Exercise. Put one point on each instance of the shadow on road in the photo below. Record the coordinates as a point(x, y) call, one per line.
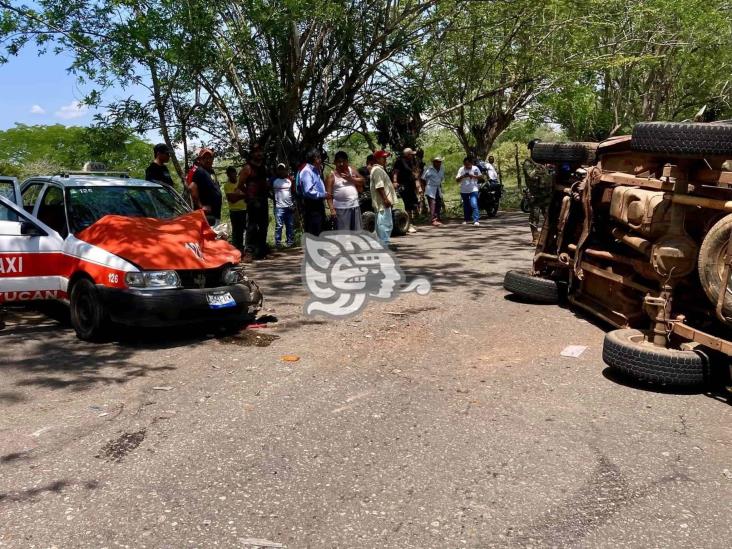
point(714, 389)
point(52, 357)
point(53, 487)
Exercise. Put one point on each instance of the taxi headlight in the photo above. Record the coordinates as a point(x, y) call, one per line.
point(233, 275)
point(153, 279)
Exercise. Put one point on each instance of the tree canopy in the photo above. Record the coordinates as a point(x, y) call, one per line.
point(33, 150)
point(294, 74)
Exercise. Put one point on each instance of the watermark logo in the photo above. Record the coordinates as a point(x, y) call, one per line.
point(344, 270)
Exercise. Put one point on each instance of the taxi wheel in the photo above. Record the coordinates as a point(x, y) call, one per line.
point(88, 316)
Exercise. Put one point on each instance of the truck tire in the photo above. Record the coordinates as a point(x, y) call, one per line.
point(532, 288)
point(401, 223)
point(88, 315)
point(711, 263)
point(572, 153)
point(685, 138)
point(368, 221)
point(627, 352)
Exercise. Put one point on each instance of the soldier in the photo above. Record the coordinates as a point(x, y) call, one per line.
point(539, 182)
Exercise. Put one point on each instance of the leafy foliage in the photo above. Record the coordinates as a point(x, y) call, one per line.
point(647, 60)
point(493, 60)
point(400, 120)
point(33, 150)
point(295, 74)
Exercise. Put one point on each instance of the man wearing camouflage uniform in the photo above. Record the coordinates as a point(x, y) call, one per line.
point(539, 181)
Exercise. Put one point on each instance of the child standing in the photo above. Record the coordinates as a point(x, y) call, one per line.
point(284, 207)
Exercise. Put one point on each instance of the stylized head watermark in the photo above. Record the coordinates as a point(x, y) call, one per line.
point(343, 270)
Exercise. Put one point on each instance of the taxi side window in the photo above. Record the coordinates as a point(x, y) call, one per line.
point(6, 214)
point(7, 190)
point(30, 196)
point(52, 212)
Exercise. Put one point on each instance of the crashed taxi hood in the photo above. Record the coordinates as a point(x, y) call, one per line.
point(185, 242)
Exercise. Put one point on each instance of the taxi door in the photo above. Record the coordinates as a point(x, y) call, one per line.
point(31, 258)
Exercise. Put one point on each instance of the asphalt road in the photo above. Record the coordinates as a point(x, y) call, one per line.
point(447, 421)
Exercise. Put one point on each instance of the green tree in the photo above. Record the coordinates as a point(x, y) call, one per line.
point(647, 60)
point(400, 117)
point(289, 73)
point(491, 61)
point(36, 150)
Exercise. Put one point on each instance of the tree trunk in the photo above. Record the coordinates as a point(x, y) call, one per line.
point(486, 134)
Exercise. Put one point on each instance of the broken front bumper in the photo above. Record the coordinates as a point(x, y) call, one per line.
point(159, 308)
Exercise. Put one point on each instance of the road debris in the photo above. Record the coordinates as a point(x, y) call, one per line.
point(573, 351)
point(163, 388)
point(254, 543)
point(290, 358)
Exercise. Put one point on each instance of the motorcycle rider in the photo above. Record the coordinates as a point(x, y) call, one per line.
point(539, 182)
point(491, 172)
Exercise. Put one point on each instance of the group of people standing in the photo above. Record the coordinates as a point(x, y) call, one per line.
point(340, 190)
point(309, 190)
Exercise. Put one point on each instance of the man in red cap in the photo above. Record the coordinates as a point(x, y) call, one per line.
point(383, 195)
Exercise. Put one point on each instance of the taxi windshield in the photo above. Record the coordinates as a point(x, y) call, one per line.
point(87, 205)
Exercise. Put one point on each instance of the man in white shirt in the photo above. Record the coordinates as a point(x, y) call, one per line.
point(284, 207)
point(433, 176)
point(469, 177)
point(492, 172)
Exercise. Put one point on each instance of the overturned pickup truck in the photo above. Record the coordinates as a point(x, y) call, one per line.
point(638, 234)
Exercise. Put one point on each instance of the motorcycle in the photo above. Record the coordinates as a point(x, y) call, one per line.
point(489, 197)
point(489, 193)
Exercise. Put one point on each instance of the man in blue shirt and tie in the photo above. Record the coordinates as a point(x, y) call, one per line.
point(313, 193)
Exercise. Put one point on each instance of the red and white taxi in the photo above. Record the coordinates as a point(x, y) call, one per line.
point(117, 250)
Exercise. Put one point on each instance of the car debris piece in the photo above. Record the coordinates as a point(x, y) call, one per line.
point(163, 388)
point(254, 543)
point(573, 351)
